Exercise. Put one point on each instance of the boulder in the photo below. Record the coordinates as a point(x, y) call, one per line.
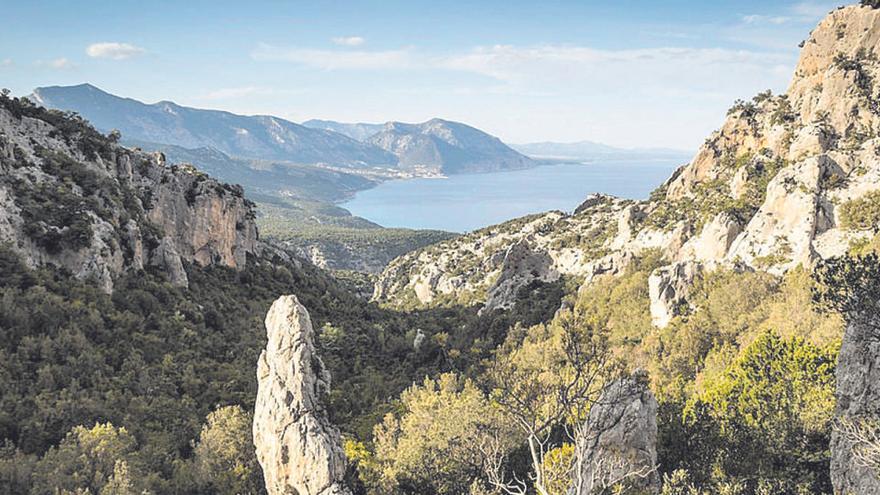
point(522, 264)
point(298, 448)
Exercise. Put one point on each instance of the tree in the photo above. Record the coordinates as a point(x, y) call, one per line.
point(546, 384)
point(434, 445)
point(225, 460)
point(98, 460)
point(775, 401)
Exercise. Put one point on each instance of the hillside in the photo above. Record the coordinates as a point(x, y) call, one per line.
point(787, 180)
point(133, 290)
point(720, 337)
point(261, 136)
point(441, 146)
point(359, 131)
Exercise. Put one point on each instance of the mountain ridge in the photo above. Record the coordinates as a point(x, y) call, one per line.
point(256, 136)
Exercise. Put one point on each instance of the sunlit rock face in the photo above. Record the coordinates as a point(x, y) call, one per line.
point(298, 448)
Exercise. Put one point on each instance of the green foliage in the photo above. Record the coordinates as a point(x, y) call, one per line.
point(849, 286)
point(224, 456)
point(100, 460)
point(775, 401)
point(862, 213)
point(434, 445)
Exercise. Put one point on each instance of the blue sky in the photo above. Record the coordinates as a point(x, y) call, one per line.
point(626, 73)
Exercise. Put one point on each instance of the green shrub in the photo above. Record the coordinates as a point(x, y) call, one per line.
point(862, 213)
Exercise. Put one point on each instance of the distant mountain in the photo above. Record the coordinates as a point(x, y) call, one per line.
point(447, 147)
point(588, 150)
point(260, 136)
point(267, 178)
point(358, 131)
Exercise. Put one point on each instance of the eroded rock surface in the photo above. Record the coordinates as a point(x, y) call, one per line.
point(858, 400)
point(620, 441)
point(668, 289)
point(298, 448)
point(764, 192)
point(116, 209)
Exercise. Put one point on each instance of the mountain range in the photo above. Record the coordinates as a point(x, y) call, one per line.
point(436, 146)
point(165, 122)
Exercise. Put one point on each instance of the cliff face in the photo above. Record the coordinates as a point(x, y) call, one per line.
point(764, 192)
point(298, 448)
point(74, 199)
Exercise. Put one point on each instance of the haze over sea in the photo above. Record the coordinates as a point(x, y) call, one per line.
point(462, 203)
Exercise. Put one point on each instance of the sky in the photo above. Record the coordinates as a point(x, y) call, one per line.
point(622, 72)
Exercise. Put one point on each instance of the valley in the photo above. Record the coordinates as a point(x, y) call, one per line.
point(200, 302)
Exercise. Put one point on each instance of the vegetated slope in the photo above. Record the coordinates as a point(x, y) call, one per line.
point(262, 136)
point(103, 347)
point(787, 180)
point(441, 146)
point(277, 179)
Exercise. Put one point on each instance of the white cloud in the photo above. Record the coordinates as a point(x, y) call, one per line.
point(61, 63)
point(246, 91)
point(759, 19)
point(348, 40)
point(6, 62)
point(336, 59)
point(814, 10)
point(802, 12)
point(113, 51)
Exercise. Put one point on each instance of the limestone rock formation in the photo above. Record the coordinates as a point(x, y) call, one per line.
point(521, 265)
point(668, 289)
point(116, 209)
point(298, 448)
point(858, 399)
point(619, 444)
point(764, 192)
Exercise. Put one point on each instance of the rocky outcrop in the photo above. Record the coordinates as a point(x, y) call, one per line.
point(521, 265)
point(299, 450)
point(619, 443)
point(668, 289)
point(492, 264)
point(858, 400)
point(764, 192)
point(113, 209)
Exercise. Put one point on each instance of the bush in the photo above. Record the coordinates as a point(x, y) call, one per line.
point(862, 213)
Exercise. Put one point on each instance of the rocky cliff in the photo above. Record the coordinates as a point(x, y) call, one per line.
point(74, 199)
point(299, 450)
point(767, 191)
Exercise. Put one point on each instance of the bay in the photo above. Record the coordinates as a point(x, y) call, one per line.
point(462, 203)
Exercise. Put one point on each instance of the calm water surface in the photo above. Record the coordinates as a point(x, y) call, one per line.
point(466, 202)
